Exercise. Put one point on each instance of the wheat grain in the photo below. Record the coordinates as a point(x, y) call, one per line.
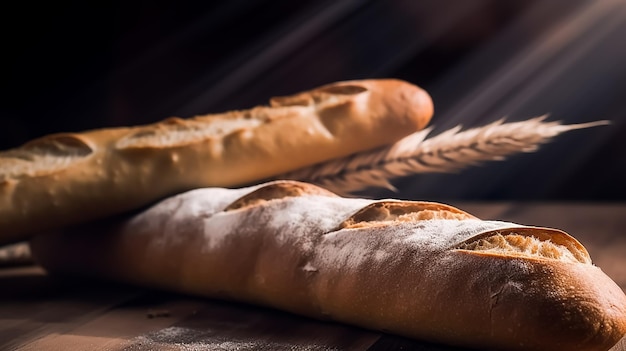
point(449, 151)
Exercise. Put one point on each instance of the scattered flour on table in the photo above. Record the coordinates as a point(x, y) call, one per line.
point(189, 339)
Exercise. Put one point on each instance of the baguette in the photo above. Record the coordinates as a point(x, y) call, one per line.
point(67, 178)
point(418, 269)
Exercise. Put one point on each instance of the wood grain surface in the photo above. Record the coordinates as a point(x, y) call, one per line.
point(39, 312)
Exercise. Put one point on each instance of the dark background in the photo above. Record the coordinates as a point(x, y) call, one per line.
point(83, 65)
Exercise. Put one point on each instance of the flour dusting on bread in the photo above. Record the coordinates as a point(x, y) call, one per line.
point(352, 246)
point(194, 204)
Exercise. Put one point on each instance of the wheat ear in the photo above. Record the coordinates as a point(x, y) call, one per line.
point(449, 151)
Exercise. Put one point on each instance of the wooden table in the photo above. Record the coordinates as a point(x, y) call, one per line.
point(38, 312)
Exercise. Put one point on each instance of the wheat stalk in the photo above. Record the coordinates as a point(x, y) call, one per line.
point(449, 151)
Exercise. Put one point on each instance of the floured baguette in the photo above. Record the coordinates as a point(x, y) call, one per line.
point(418, 269)
point(67, 178)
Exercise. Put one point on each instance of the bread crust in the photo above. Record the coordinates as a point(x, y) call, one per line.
point(67, 178)
point(409, 268)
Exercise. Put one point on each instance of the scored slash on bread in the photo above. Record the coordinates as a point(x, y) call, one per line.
point(419, 269)
point(528, 242)
point(63, 179)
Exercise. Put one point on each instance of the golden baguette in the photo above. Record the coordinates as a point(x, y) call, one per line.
point(63, 179)
point(419, 269)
